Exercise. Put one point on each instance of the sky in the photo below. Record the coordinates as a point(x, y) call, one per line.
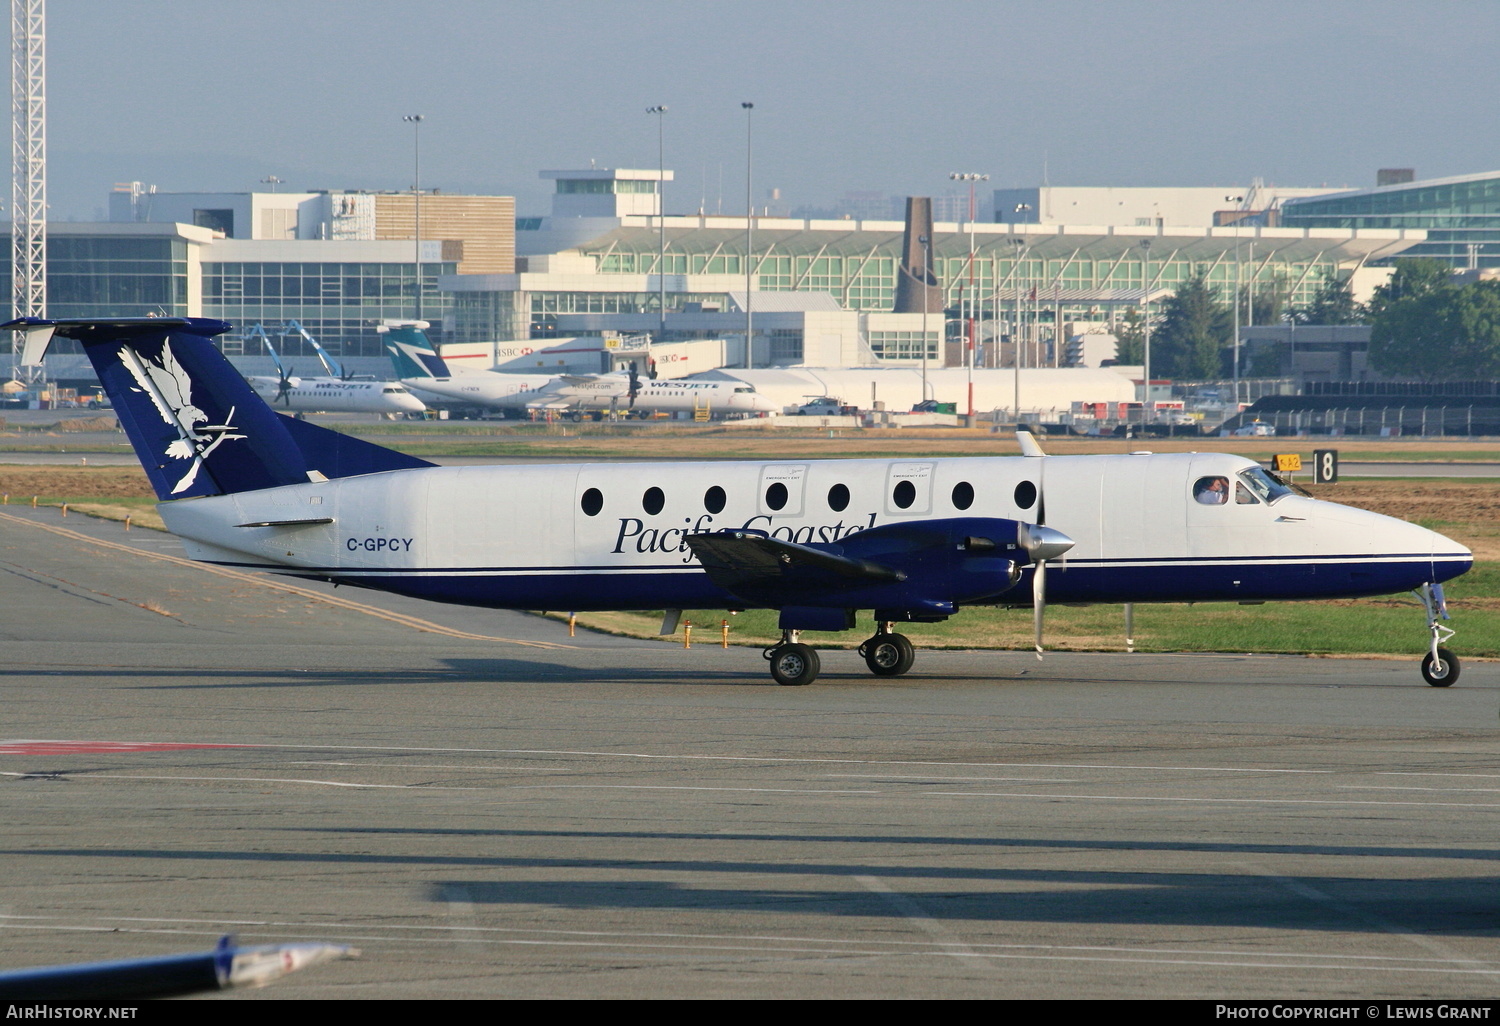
point(849, 95)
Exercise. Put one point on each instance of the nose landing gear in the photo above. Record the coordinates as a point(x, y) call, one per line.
point(1439, 665)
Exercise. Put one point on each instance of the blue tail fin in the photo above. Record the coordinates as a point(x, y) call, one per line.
point(411, 353)
point(196, 425)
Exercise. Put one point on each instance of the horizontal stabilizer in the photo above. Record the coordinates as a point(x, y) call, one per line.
point(309, 522)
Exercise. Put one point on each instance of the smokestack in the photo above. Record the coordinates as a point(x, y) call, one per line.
point(916, 286)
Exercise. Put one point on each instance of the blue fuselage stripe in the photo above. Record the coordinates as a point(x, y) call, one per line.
point(687, 586)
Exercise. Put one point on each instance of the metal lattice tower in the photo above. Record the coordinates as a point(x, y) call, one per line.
point(28, 135)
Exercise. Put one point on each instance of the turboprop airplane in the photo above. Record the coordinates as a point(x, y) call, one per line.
point(420, 368)
point(819, 541)
point(339, 394)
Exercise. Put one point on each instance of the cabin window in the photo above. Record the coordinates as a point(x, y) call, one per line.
point(653, 500)
point(904, 495)
point(1025, 495)
point(1212, 490)
point(592, 502)
point(838, 498)
point(714, 499)
point(963, 495)
point(776, 496)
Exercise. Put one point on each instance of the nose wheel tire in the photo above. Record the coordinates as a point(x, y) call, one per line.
point(1442, 671)
point(794, 665)
point(888, 655)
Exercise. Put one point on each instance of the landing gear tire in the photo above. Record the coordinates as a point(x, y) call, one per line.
point(794, 665)
point(888, 655)
point(1442, 671)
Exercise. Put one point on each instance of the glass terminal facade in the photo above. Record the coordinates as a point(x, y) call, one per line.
point(1082, 286)
point(1458, 213)
point(114, 276)
point(340, 304)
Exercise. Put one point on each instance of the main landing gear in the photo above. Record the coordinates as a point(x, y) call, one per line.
point(1439, 665)
point(888, 654)
point(794, 664)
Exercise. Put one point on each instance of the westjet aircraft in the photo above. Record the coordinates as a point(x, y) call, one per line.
point(819, 541)
point(421, 369)
point(338, 394)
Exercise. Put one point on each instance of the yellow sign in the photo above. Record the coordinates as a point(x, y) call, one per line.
point(1287, 462)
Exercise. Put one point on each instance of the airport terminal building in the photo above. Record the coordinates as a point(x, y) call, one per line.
point(817, 292)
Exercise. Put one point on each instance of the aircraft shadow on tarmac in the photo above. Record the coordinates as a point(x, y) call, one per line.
point(1451, 906)
point(464, 671)
point(1445, 907)
point(1020, 843)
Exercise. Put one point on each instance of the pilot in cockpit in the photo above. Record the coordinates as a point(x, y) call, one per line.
point(1212, 491)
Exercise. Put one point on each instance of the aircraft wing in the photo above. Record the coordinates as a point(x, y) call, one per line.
point(741, 560)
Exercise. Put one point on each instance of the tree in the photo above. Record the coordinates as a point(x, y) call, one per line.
point(1262, 302)
point(1333, 303)
point(1195, 327)
point(1130, 338)
point(1413, 278)
point(1438, 331)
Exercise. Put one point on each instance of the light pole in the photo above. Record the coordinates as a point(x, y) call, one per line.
point(1238, 276)
point(661, 220)
point(926, 303)
point(973, 297)
point(1015, 338)
point(1146, 307)
point(748, 108)
point(1020, 210)
point(416, 189)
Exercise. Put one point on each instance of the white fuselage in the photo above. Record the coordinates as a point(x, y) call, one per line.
point(594, 392)
point(334, 395)
point(592, 536)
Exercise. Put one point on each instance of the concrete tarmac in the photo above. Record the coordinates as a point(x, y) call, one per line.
point(488, 808)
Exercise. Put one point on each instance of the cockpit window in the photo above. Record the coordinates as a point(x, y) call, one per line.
point(748, 388)
point(1211, 491)
point(1243, 496)
point(1263, 485)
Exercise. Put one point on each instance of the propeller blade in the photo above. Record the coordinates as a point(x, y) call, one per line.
point(1039, 602)
point(1039, 541)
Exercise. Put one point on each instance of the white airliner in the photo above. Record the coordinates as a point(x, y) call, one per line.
point(819, 541)
point(337, 394)
point(421, 369)
point(330, 395)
